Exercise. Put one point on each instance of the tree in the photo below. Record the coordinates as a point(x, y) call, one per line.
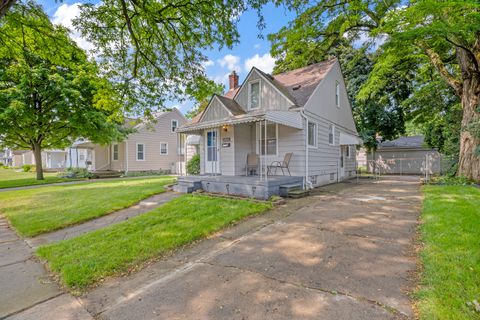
point(442, 35)
point(48, 99)
point(202, 97)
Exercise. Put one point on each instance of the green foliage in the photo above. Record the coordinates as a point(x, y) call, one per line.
point(148, 236)
point(451, 180)
point(147, 173)
point(193, 165)
point(203, 95)
point(50, 94)
point(26, 167)
point(75, 173)
point(154, 50)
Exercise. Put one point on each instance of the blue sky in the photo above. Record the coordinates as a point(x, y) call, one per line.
point(251, 51)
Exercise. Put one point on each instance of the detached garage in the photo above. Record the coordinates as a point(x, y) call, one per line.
point(405, 155)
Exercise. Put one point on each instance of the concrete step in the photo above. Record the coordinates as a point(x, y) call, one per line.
point(284, 189)
point(298, 193)
point(106, 174)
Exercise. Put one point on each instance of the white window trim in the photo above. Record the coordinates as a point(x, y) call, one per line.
point(171, 125)
point(258, 135)
point(328, 136)
point(337, 94)
point(259, 95)
point(163, 154)
point(113, 152)
point(136, 151)
point(315, 135)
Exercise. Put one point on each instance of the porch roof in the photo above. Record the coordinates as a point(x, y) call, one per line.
point(287, 118)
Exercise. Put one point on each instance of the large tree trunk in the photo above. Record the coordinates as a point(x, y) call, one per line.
point(37, 153)
point(469, 161)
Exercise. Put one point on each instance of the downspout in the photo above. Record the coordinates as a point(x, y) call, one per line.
point(306, 183)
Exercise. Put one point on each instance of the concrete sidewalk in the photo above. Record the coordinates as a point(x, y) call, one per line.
point(344, 253)
point(25, 283)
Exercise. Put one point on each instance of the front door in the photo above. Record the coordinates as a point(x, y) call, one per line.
point(212, 165)
point(342, 162)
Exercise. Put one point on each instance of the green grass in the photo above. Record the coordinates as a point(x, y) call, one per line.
point(10, 178)
point(40, 210)
point(451, 254)
point(84, 260)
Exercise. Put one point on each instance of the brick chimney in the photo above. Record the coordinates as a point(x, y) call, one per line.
point(233, 80)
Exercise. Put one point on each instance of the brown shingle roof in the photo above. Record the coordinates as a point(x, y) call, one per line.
point(231, 105)
point(231, 93)
point(305, 80)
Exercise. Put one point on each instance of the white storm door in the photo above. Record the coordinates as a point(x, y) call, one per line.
point(212, 165)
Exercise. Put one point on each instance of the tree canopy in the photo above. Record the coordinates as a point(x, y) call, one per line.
point(50, 96)
point(410, 39)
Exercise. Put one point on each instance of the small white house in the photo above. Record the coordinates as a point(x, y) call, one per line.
point(304, 113)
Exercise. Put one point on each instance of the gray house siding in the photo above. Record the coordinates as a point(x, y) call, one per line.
point(270, 98)
point(227, 154)
point(215, 111)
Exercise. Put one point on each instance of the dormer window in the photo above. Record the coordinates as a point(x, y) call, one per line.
point(254, 95)
point(337, 94)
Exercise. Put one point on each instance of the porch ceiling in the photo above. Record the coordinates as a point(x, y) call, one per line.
point(286, 118)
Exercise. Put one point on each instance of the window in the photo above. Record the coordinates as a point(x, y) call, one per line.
point(331, 134)
point(254, 95)
point(347, 152)
point(337, 94)
point(312, 134)
point(140, 152)
point(271, 139)
point(174, 125)
point(163, 148)
point(115, 152)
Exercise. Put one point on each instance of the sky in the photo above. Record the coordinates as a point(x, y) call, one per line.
point(250, 51)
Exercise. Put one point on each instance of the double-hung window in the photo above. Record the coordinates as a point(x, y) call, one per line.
point(140, 152)
point(312, 134)
point(163, 148)
point(270, 141)
point(254, 95)
point(174, 125)
point(331, 134)
point(347, 152)
point(115, 152)
point(337, 94)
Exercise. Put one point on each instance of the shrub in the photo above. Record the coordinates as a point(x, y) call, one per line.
point(193, 165)
point(451, 180)
point(147, 173)
point(26, 167)
point(75, 173)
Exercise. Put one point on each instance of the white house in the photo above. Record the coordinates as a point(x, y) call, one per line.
point(304, 112)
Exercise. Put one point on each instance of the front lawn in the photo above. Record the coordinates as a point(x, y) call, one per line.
point(118, 248)
point(450, 234)
point(10, 178)
point(40, 210)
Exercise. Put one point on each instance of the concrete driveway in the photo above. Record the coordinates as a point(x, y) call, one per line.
point(346, 252)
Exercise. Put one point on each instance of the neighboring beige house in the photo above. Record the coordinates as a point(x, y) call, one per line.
point(153, 146)
point(405, 155)
point(305, 112)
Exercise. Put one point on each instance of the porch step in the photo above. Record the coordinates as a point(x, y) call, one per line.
point(298, 193)
point(187, 186)
point(285, 189)
point(106, 174)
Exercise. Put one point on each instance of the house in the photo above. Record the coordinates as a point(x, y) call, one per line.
point(405, 155)
point(51, 159)
point(305, 112)
point(6, 157)
point(152, 146)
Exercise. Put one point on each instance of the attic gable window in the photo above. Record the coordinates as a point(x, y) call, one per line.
point(174, 125)
point(254, 95)
point(337, 94)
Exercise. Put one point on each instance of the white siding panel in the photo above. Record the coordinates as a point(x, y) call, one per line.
point(227, 154)
point(215, 111)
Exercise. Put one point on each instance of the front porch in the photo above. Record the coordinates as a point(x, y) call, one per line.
point(247, 186)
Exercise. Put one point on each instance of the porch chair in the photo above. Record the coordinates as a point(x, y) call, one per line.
point(252, 163)
point(281, 164)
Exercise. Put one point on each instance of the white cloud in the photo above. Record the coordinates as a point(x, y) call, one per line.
point(264, 63)
point(208, 63)
point(231, 62)
point(64, 16)
point(257, 46)
point(222, 79)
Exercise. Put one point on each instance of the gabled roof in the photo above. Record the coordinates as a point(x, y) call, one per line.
point(231, 105)
point(300, 83)
point(231, 93)
point(403, 142)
